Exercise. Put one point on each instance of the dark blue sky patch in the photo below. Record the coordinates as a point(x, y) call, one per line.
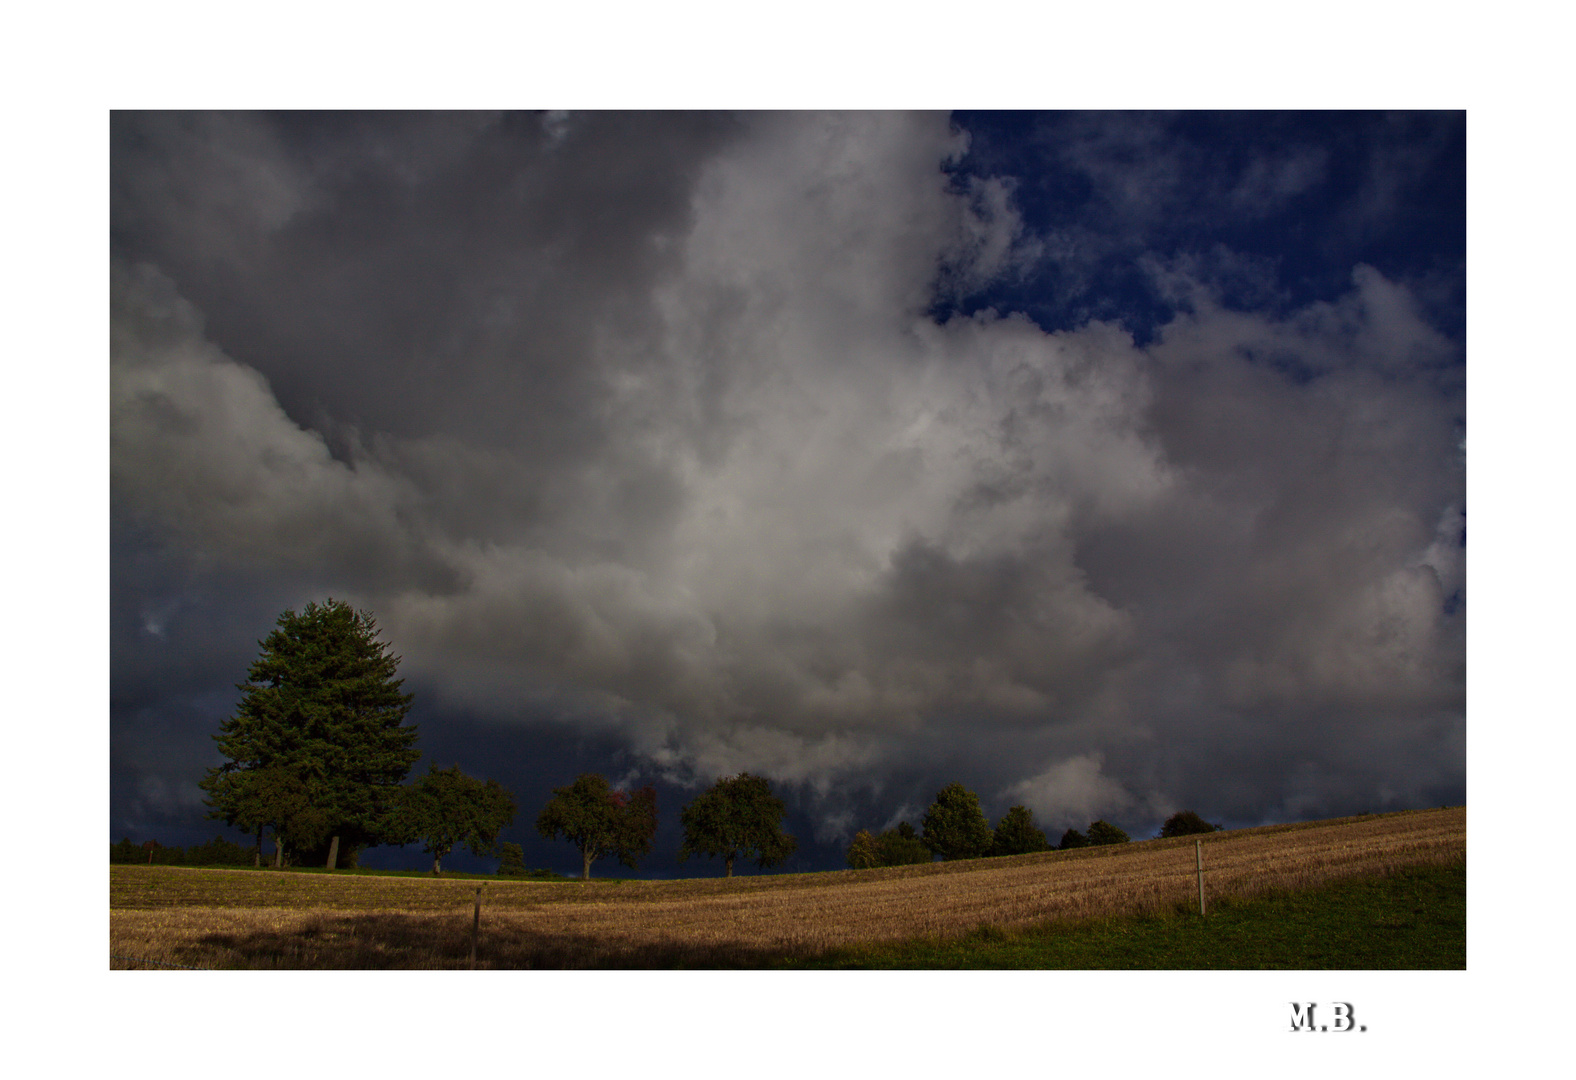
point(1270, 210)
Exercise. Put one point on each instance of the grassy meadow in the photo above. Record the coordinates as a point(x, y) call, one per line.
point(1377, 891)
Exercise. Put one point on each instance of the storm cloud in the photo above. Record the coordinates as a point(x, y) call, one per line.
point(719, 440)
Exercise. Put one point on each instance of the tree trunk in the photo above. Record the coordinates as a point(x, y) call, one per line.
point(257, 856)
point(585, 869)
point(435, 868)
point(279, 852)
point(333, 852)
point(728, 862)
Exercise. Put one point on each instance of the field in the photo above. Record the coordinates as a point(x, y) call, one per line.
point(1413, 918)
point(263, 919)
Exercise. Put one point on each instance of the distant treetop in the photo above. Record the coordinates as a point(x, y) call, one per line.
point(1186, 823)
point(955, 827)
point(1103, 832)
point(1017, 834)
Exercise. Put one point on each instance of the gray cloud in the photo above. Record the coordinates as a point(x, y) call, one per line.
point(640, 422)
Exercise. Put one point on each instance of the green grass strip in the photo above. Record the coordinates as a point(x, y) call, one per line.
point(1412, 919)
point(358, 871)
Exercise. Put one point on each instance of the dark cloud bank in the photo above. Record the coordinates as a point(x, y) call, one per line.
point(1109, 464)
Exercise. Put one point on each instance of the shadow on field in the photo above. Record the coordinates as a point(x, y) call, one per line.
point(402, 941)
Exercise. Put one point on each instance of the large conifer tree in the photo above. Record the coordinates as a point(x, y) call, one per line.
point(322, 705)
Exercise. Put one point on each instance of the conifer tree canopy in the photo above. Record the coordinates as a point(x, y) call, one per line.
point(318, 732)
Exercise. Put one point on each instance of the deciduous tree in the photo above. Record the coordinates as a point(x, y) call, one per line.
point(272, 797)
point(737, 816)
point(511, 860)
point(322, 704)
point(600, 821)
point(901, 846)
point(898, 846)
point(863, 852)
point(955, 827)
point(1103, 832)
point(447, 808)
point(1017, 834)
point(1072, 838)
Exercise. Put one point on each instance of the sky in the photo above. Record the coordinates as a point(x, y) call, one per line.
point(1109, 463)
point(72, 624)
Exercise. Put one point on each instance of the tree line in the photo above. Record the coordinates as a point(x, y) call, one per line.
point(738, 817)
point(216, 852)
point(317, 753)
point(956, 828)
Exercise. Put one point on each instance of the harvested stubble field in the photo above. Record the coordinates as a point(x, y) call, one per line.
point(262, 919)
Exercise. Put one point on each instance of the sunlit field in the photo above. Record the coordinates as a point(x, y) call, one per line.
point(264, 919)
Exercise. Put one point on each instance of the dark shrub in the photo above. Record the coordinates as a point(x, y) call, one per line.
point(1072, 838)
point(511, 860)
point(1186, 823)
point(899, 846)
point(902, 847)
point(1103, 832)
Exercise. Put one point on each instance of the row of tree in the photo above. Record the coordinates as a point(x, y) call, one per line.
point(317, 753)
point(444, 809)
point(956, 828)
point(216, 852)
point(738, 817)
point(953, 828)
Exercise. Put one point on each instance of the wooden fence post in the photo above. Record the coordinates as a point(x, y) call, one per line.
point(1198, 850)
point(476, 926)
